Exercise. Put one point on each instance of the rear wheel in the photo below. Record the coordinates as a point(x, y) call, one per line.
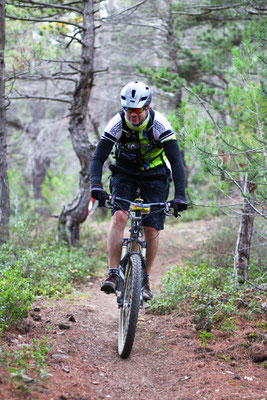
point(129, 310)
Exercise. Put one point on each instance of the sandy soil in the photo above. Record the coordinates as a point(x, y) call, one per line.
point(167, 360)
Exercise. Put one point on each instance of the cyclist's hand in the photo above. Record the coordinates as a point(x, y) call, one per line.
point(98, 193)
point(178, 204)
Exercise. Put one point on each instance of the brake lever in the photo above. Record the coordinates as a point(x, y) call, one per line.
point(109, 202)
point(167, 210)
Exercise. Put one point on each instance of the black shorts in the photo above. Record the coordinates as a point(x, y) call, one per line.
point(153, 189)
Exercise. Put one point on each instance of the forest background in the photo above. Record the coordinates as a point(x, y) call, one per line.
point(65, 64)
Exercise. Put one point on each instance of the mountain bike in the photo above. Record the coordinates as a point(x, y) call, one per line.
point(132, 270)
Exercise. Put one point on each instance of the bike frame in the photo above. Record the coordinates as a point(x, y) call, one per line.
point(133, 244)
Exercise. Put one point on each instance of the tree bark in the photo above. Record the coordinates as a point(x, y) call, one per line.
point(40, 160)
point(242, 251)
point(4, 187)
point(74, 213)
point(39, 170)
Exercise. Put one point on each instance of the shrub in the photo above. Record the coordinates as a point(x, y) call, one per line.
point(33, 263)
point(15, 296)
point(211, 294)
point(50, 268)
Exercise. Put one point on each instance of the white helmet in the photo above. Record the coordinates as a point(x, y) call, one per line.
point(135, 95)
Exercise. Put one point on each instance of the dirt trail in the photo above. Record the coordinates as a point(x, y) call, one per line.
point(167, 361)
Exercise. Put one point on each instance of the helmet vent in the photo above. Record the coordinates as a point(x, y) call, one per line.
point(135, 95)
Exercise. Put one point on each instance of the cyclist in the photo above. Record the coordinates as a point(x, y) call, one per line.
point(144, 141)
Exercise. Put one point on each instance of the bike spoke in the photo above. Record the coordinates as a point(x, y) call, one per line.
point(130, 308)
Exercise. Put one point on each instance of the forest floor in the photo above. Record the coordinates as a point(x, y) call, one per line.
point(167, 360)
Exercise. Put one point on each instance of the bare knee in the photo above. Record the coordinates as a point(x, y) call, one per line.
point(119, 219)
point(150, 233)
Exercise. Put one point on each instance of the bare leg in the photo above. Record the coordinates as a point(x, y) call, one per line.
point(152, 238)
point(115, 236)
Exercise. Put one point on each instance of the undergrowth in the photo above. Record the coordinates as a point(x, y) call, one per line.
point(211, 295)
point(206, 286)
point(33, 264)
point(27, 365)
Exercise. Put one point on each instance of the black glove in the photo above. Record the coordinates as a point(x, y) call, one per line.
point(98, 193)
point(178, 204)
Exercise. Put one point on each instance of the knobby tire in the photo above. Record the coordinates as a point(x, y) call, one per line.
point(128, 314)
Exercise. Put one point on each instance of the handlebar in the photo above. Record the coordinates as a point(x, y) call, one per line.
point(139, 205)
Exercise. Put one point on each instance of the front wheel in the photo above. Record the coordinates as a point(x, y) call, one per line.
point(128, 314)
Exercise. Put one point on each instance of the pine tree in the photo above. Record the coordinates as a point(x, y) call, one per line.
point(4, 187)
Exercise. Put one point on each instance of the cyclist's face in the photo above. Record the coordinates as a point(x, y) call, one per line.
point(136, 118)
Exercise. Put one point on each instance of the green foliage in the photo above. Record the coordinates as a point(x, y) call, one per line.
point(262, 325)
point(22, 200)
point(224, 357)
point(212, 295)
point(199, 58)
point(57, 188)
point(233, 152)
point(30, 360)
point(181, 283)
point(15, 294)
point(220, 121)
point(229, 325)
point(218, 250)
point(195, 214)
point(26, 47)
point(49, 266)
point(168, 81)
point(205, 337)
point(32, 264)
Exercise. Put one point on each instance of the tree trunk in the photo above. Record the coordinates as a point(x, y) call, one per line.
point(40, 160)
point(242, 251)
point(39, 170)
point(4, 187)
point(74, 213)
